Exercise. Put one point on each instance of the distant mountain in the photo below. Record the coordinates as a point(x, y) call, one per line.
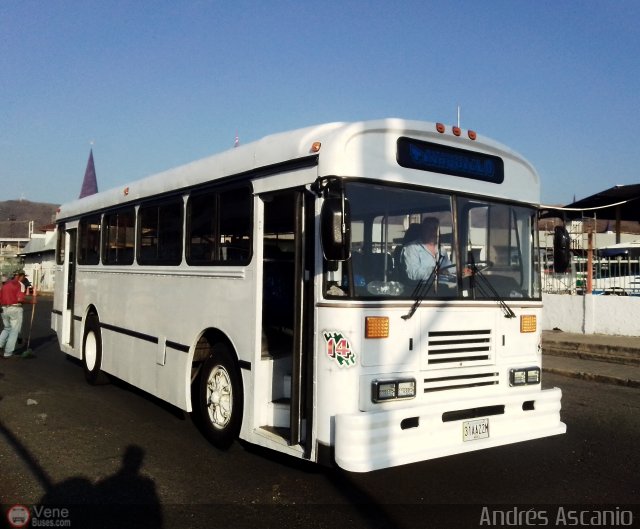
point(15, 216)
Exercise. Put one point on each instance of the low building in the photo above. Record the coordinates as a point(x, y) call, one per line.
point(39, 259)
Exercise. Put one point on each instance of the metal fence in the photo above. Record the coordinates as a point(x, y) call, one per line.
point(618, 275)
point(611, 274)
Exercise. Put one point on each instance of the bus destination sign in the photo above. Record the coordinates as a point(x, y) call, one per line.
point(426, 156)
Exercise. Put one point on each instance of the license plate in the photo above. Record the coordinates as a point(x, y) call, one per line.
point(477, 429)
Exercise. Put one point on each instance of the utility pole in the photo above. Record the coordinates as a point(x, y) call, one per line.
point(590, 260)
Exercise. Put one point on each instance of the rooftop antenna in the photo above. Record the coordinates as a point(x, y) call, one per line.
point(458, 116)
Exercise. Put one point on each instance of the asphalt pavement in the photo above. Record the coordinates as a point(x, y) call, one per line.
point(599, 357)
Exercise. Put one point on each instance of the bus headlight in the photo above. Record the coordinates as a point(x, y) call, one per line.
point(383, 390)
point(524, 376)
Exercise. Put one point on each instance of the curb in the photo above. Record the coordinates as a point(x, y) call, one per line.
point(605, 379)
point(612, 351)
point(610, 358)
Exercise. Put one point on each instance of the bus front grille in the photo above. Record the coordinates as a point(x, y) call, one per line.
point(458, 348)
point(460, 381)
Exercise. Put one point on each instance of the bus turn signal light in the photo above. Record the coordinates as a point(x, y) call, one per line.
point(528, 323)
point(376, 327)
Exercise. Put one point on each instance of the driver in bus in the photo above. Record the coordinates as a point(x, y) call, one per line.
point(419, 257)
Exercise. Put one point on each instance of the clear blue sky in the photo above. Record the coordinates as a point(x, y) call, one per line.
point(156, 84)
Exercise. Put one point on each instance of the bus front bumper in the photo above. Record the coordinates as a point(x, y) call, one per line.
point(373, 440)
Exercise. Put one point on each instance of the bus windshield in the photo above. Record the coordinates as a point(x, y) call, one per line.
point(461, 248)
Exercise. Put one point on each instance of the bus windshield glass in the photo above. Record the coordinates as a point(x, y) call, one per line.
point(405, 240)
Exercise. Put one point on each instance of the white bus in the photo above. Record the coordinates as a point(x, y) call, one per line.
point(264, 289)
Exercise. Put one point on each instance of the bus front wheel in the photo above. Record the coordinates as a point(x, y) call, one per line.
point(220, 397)
point(92, 349)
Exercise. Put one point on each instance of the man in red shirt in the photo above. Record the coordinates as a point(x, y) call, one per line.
point(11, 299)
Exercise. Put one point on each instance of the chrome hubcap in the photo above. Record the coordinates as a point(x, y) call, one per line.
point(90, 351)
point(219, 397)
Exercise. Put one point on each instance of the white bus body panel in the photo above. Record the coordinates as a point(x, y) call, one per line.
point(369, 150)
point(368, 436)
point(137, 322)
point(375, 440)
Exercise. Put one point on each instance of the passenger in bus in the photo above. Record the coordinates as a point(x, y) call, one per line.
point(419, 257)
point(411, 234)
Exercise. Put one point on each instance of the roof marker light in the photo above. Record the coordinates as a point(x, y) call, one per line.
point(472, 134)
point(126, 191)
point(440, 128)
point(315, 146)
point(456, 131)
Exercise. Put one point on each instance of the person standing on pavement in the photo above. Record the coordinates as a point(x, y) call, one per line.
point(25, 286)
point(12, 297)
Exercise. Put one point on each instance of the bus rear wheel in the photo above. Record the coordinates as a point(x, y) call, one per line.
point(92, 349)
point(220, 397)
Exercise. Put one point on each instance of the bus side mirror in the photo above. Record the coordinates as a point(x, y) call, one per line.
point(561, 249)
point(335, 220)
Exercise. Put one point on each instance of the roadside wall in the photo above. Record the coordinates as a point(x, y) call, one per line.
point(41, 275)
point(591, 314)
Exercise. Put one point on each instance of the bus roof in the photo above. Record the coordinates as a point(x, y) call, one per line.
point(341, 154)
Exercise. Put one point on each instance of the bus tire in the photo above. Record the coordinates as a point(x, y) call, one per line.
point(220, 397)
point(92, 349)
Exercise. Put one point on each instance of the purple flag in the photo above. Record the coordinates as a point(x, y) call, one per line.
point(90, 183)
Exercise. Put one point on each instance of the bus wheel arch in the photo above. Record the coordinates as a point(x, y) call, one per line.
point(218, 392)
point(92, 347)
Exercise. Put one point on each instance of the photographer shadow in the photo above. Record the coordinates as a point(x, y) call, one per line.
point(127, 499)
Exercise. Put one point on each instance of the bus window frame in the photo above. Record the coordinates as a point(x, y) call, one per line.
point(158, 205)
point(61, 246)
point(217, 245)
point(83, 224)
point(106, 239)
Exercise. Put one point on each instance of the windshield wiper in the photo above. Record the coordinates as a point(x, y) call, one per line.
point(422, 288)
point(508, 313)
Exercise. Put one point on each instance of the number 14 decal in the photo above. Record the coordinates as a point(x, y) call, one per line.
point(339, 348)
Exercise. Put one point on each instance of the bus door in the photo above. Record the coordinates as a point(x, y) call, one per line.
point(69, 275)
point(286, 311)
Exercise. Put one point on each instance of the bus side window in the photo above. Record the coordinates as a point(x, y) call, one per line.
point(235, 225)
point(236, 249)
point(201, 209)
point(118, 237)
point(160, 233)
point(219, 227)
point(89, 245)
